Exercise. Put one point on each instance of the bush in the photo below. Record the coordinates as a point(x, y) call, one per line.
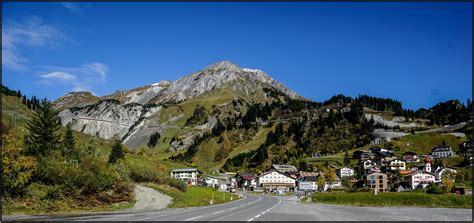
point(180, 185)
point(434, 189)
point(97, 176)
point(54, 192)
point(141, 173)
point(17, 168)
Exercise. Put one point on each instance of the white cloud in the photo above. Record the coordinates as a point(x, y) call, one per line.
point(73, 6)
point(31, 32)
point(99, 68)
point(83, 78)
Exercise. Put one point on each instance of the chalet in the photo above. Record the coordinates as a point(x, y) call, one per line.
point(467, 148)
point(305, 174)
point(397, 165)
point(333, 184)
point(368, 164)
point(312, 179)
point(246, 180)
point(410, 157)
point(361, 155)
point(377, 181)
point(345, 172)
point(421, 179)
point(188, 175)
point(380, 150)
point(274, 179)
point(440, 171)
point(441, 152)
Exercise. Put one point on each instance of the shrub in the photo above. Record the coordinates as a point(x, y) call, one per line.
point(97, 176)
point(434, 189)
point(180, 185)
point(54, 192)
point(17, 168)
point(141, 173)
point(37, 191)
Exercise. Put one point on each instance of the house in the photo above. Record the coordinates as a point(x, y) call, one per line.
point(274, 179)
point(345, 172)
point(440, 171)
point(211, 181)
point(188, 175)
point(368, 164)
point(441, 152)
point(421, 179)
point(374, 168)
point(467, 148)
point(305, 174)
point(334, 184)
point(246, 180)
point(377, 181)
point(410, 157)
point(361, 155)
point(284, 168)
point(312, 179)
point(380, 150)
point(397, 165)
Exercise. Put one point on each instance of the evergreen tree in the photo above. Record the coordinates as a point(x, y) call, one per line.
point(153, 139)
point(347, 159)
point(117, 152)
point(69, 145)
point(43, 130)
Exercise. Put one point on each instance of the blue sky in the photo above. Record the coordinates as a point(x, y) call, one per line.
point(417, 53)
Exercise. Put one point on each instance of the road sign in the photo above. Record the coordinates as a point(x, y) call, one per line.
point(304, 186)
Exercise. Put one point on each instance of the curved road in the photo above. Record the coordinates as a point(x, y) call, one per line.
point(271, 208)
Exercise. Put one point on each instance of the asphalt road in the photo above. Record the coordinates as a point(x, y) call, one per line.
point(271, 208)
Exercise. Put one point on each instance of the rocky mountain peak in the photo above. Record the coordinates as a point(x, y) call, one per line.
point(224, 65)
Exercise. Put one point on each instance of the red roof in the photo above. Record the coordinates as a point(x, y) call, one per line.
point(248, 177)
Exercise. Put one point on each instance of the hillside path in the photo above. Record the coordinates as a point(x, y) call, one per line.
point(150, 199)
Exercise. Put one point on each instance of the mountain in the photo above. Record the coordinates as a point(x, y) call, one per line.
point(134, 115)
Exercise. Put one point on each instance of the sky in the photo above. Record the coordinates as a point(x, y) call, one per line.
point(417, 53)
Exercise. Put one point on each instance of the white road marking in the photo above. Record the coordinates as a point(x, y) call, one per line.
point(217, 212)
point(279, 201)
point(193, 218)
point(189, 210)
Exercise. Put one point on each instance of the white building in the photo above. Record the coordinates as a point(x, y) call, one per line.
point(421, 179)
point(397, 165)
point(275, 180)
point(312, 180)
point(368, 164)
point(345, 172)
point(441, 152)
point(334, 184)
point(440, 171)
point(188, 175)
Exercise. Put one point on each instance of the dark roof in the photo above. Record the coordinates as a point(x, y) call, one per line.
point(409, 153)
point(309, 178)
point(441, 149)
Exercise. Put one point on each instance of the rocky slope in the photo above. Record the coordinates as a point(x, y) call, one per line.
point(135, 114)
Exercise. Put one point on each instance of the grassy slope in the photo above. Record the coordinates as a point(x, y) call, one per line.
point(66, 205)
point(395, 199)
point(194, 196)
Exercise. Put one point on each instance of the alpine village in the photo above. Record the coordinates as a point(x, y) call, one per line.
point(222, 130)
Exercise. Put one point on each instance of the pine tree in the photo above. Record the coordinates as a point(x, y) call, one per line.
point(347, 159)
point(43, 130)
point(153, 139)
point(69, 145)
point(117, 152)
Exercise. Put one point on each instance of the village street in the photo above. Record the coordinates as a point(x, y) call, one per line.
point(269, 208)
